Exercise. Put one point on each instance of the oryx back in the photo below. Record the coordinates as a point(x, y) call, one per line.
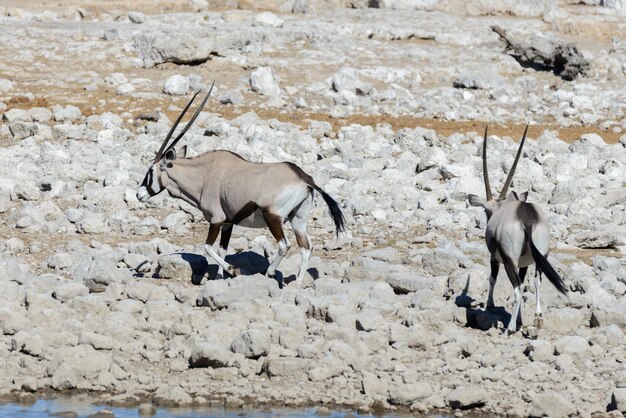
point(239, 191)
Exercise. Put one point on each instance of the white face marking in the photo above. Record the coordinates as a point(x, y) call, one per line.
point(149, 187)
point(142, 194)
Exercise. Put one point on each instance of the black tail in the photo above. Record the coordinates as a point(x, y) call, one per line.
point(544, 266)
point(333, 207)
point(335, 211)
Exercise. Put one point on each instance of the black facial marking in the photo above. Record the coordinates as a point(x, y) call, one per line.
point(147, 182)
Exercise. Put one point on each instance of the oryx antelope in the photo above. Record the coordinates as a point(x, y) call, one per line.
point(517, 236)
point(232, 191)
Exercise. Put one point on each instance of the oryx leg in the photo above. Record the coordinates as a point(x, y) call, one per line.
point(298, 222)
point(275, 225)
point(538, 315)
point(522, 275)
point(227, 231)
point(511, 271)
point(214, 230)
point(495, 267)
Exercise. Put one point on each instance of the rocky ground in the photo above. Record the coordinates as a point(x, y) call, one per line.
point(385, 107)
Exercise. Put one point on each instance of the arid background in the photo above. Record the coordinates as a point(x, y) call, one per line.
point(384, 103)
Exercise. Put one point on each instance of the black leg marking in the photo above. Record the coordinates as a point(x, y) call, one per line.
point(275, 225)
point(495, 268)
point(522, 273)
point(227, 231)
point(214, 231)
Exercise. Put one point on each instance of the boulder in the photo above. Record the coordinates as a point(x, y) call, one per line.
point(552, 404)
point(209, 355)
point(252, 343)
point(466, 398)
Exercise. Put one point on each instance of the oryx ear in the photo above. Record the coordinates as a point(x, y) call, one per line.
point(522, 197)
point(183, 152)
point(476, 201)
point(170, 155)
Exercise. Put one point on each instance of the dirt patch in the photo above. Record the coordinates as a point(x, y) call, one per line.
point(93, 104)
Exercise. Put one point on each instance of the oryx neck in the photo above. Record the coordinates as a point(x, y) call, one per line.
point(184, 179)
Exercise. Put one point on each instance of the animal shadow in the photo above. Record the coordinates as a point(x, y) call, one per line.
point(478, 318)
point(283, 281)
point(248, 262)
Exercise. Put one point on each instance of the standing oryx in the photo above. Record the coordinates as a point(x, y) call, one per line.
point(517, 236)
point(232, 191)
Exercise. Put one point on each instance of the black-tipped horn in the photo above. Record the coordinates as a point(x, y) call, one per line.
point(171, 132)
point(510, 176)
point(192, 120)
point(485, 174)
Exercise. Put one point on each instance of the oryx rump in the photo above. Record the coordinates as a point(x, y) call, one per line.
point(230, 190)
point(517, 236)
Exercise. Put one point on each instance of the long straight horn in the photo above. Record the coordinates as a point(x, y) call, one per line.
point(510, 176)
point(193, 118)
point(171, 132)
point(485, 174)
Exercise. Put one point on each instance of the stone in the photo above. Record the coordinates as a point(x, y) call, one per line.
point(21, 130)
point(264, 82)
point(374, 386)
point(287, 367)
point(98, 274)
point(575, 346)
point(176, 85)
point(182, 47)
point(97, 341)
point(477, 81)
point(603, 315)
point(369, 320)
point(552, 404)
point(466, 398)
point(172, 396)
point(408, 282)
point(181, 265)
point(68, 113)
point(541, 350)
point(407, 393)
point(346, 80)
point(233, 97)
point(252, 343)
point(64, 378)
point(69, 291)
point(15, 115)
point(268, 19)
point(209, 355)
point(136, 17)
point(11, 269)
point(12, 320)
point(564, 320)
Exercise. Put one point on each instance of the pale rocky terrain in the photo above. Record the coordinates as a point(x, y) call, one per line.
point(385, 107)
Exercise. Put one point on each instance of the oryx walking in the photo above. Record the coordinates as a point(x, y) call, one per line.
point(517, 236)
point(232, 191)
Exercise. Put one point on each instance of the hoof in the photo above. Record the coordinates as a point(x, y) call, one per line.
point(233, 272)
point(538, 322)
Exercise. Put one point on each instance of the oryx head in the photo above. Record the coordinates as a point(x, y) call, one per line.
point(151, 185)
point(492, 204)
